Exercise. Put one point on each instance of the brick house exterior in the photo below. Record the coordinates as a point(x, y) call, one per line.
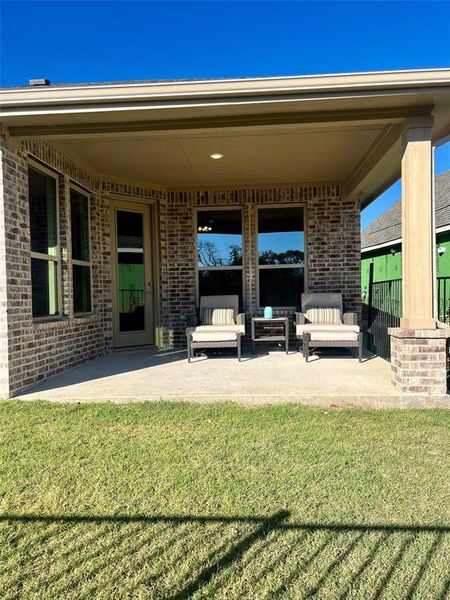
point(33, 351)
point(330, 144)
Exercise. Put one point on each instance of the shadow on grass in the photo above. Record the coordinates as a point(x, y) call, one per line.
point(182, 556)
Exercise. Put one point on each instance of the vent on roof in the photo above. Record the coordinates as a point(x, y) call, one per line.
point(36, 82)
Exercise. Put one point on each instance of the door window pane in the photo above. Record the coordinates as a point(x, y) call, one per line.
point(43, 216)
point(79, 217)
point(44, 287)
point(81, 289)
point(130, 229)
point(130, 271)
point(219, 238)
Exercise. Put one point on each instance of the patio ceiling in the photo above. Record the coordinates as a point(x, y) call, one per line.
point(250, 156)
point(271, 131)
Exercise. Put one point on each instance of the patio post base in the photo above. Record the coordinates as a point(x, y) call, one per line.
point(418, 360)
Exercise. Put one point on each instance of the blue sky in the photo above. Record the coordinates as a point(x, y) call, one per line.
point(103, 41)
point(378, 206)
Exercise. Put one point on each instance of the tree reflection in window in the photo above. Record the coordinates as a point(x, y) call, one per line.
point(219, 251)
point(280, 256)
point(209, 255)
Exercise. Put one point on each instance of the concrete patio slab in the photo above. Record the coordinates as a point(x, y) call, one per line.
point(267, 378)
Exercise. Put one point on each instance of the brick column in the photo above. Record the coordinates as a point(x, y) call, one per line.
point(418, 360)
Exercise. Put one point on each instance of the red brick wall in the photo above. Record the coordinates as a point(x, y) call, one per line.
point(38, 350)
point(332, 236)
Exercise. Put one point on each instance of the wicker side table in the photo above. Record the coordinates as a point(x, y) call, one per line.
point(256, 339)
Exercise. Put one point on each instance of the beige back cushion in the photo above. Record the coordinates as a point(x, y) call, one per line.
point(217, 316)
point(323, 300)
point(221, 302)
point(330, 315)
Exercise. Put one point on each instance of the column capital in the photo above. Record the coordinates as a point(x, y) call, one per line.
point(417, 129)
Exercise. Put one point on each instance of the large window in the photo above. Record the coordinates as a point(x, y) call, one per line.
point(81, 251)
point(44, 243)
point(219, 252)
point(280, 256)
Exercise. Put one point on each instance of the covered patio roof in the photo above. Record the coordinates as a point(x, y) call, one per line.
point(277, 130)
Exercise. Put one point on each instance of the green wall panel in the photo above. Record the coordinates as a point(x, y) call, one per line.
point(387, 265)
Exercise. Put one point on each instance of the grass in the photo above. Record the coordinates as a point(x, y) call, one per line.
point(219, 501)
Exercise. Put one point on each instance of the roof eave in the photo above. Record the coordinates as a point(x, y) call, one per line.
point(311, 87)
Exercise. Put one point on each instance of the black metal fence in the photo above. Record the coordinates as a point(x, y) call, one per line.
point(384, 311)
point(443, 299)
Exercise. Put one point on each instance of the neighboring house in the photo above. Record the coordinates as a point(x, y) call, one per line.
point(122, 203)
point(381, 240)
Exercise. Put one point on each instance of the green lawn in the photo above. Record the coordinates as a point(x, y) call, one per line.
point(220, 501)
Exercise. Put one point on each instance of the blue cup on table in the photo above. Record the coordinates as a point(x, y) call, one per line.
point(268, 312)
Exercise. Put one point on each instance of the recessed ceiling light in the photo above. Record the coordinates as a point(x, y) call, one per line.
point(216, 155)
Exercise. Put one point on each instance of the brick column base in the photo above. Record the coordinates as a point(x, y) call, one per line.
point(418, 360)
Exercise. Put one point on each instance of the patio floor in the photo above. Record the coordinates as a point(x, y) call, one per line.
point(270, 377)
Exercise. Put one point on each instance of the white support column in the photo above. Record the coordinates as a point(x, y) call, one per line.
point(418, 236)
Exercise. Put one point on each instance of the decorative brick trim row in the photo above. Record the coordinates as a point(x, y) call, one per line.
point(129, 189)
point(61, 163)
point(275, 195)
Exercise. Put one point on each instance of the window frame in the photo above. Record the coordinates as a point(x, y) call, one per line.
point(56, 258)
point(224, 268)
point(285, 266)
point(77, 262)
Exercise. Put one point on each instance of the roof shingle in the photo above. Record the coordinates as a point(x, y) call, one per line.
point(388, 226)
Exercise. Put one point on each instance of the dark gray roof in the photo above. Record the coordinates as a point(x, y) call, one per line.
point(148, 81)
point(388, 226)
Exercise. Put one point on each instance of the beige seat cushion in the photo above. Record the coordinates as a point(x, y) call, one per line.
point(236, 328)
point(216, 335)
point(333, 336)
point(300, 329)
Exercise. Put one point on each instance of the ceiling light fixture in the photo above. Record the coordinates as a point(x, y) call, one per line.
point(216, 155)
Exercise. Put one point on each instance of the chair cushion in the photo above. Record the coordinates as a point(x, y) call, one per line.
point(215, 335)
point(237, 328)
point(333, 336)
point(323, 314)
point(300, 329)
point(217, 316)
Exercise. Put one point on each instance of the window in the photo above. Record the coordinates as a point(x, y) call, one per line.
point(81, 251)
point(44, 244)
point(280, 256)
point(219, 252)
